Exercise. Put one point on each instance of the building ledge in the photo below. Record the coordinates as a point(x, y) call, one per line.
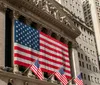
point(9, 75)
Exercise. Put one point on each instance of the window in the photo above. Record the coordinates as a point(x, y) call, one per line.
point(87, 66)
point(84, 48)
point(85, 76)
point(95, 79)
point(82, 56)
point(82, 64)
point(87, 50)
point(78, 54)
point(94, 68)
point(89, 77)
point(82, 75)
point(90, 67)
point(86, 58)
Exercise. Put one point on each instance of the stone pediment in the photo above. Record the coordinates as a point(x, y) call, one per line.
point(49, 11)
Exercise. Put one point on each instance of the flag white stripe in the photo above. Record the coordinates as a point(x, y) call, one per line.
point(52, 46)
point(41, 53)
point(42, 66)
point(52, 41)
point(37, 72)
point(35, 57)
point(53, 52)
point(27, 61)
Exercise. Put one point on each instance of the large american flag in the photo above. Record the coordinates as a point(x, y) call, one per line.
point(30, 44)
point(37, 70)
point(79, 80)
point(61, 76)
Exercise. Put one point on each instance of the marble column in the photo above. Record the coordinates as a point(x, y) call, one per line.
point(16, 67)
point(2, 34)
point(75, 62)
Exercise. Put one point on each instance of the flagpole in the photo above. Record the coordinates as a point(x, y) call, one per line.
point(50, 76)
point(26, 70)
point(70, 80)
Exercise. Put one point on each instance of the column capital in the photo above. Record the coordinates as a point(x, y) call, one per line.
point(2, 7)
point(16, 14)
point(75, 45)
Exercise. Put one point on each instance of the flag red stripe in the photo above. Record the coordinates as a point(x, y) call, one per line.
point(31, 59)
point(35, 54)
point(61, 78)
point(24, 57)
point(21, 63)
point(37, 71)
point(53, 39)
point(53, 49)
point(78, 81)
point(41, 39)
point(25, 51)
point(54, 55)
point(58, 62)
point(52, 72)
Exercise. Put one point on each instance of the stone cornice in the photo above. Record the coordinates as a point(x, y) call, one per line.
point(26, 6)
point(24, 78)
point(2, 6)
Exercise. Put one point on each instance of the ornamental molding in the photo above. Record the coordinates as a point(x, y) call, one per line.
point(48, 11)
point(2, 6)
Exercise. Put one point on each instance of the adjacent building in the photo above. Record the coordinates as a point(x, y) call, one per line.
point(46, 16)
point(92, 18)
point(87, 51)
point(63, 23)
point(74, 6)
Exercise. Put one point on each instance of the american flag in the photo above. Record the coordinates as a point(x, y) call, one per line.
point(37, 70)
point(61, 76)
point(79, 80)
point(30, 44)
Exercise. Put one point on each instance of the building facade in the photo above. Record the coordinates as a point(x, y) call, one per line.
point(46, 16)
point(92, 18)
point(74, 6)
point(87, 52)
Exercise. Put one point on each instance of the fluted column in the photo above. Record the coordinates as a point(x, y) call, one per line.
point(16, 67)
point(2, 34)
point(74, 61)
